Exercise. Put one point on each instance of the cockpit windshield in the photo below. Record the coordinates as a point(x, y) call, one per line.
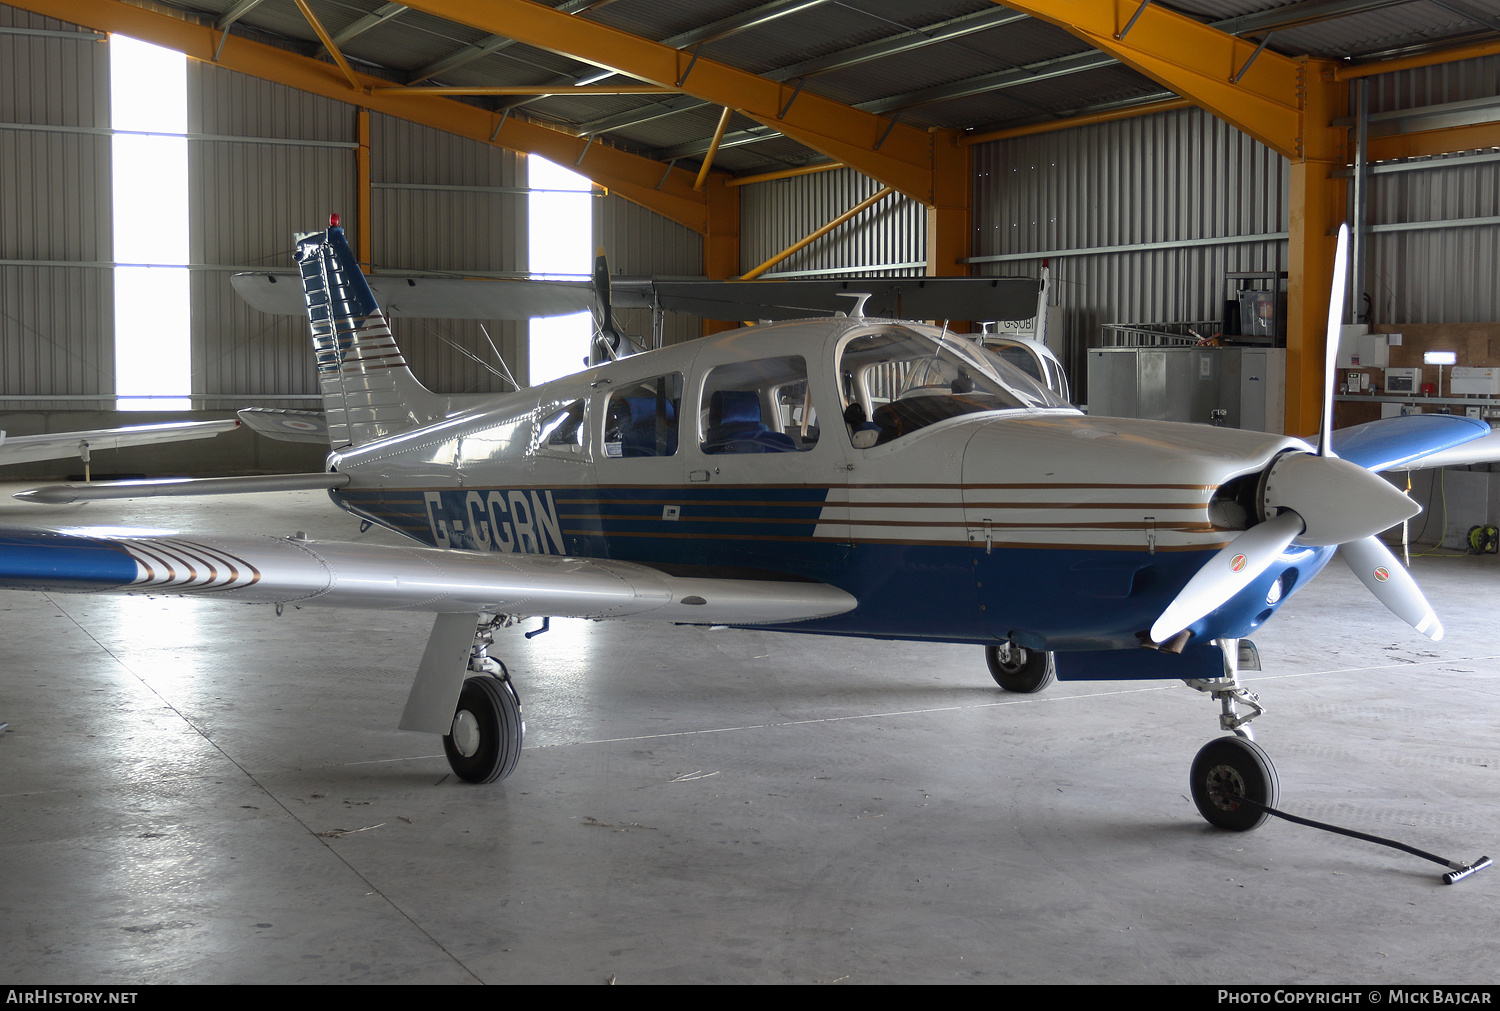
point(897, 379)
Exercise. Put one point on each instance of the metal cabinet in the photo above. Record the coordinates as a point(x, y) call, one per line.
point(1237, 387)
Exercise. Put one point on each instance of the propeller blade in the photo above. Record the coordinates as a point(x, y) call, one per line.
point(1378, 569)
point(1338, 500)
point(1231, 570)
point(604, 313)
point(1335, 325)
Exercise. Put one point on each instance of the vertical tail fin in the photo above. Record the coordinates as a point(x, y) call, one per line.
point(368, 391)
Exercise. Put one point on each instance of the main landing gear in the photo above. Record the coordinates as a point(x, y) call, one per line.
point(1229, 771)
point(485, 742)
point(1020, 670)
point(465, 697)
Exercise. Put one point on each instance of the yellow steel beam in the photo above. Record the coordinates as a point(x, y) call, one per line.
point(1449, 55)
point(1473, 137)
point(765, 177)
point(529, 89)
point(950, 219)
point(1087, 119)
point(1194, 60)
point(651, 184)
point(328, 43)
point(713, 149)
point(899, 155)
point(363, 200)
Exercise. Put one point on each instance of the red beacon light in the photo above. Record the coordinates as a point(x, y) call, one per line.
point(333, 221)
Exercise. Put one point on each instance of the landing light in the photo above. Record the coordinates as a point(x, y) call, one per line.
point(1274, 593)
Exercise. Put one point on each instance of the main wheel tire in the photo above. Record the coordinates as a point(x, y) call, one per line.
point(1020, 670)
point(484, 743)
point(1227, 769)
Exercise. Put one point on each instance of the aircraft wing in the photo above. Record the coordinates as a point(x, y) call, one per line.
point(302, 572)
point(280, 294)
point(1418, 442)
point(966, 298)
point(60, 445)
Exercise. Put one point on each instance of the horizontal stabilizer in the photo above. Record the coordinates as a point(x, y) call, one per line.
point(66, 494)
point(303, 572)
point(1414, 439)
point(960, 298)
point(287, 426)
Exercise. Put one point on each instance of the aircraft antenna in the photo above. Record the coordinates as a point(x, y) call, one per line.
point(499, 357)
point(860, 297)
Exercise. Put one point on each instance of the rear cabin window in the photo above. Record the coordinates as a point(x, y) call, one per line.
point(761, 406)
point(641, 419)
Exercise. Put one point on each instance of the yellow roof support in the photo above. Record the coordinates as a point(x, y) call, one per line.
point(527, 89)
point(328, 43)
point(1198, 62)
point(713, 149)
point(667, 191)
point(895, 154)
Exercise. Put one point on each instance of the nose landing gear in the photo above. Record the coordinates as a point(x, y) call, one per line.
point(1228, 770)
point(1020, 670)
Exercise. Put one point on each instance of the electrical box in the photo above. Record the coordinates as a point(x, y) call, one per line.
point(1467, 379)
point(1361, 350)
point(1403, 380)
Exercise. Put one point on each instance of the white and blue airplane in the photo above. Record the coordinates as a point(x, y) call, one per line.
point(842, 476)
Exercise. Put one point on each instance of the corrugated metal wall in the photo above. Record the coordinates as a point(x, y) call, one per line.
point(1435, 275)
point(638, 241)
point(291, 163)
point(1151, 180)
point(438, 203)
point(56, 291)
point(445, 203)
point(889, 238)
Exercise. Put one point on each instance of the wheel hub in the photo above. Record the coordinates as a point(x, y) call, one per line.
point(466, 733)
point(1225, 787)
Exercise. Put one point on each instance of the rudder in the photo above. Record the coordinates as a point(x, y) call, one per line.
point(368, 389)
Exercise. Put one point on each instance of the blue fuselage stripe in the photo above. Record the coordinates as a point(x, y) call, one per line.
point(1061, 598)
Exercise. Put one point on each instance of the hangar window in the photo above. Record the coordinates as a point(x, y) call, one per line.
point(560, 246)
point(148, 111)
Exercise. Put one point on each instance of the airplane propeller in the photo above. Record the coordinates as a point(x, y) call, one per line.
point(607, 344)
point(1313, 499)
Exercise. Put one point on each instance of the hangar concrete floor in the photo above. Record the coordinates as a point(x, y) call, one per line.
point(196, 792)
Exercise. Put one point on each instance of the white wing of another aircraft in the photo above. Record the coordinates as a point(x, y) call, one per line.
point(61, 445)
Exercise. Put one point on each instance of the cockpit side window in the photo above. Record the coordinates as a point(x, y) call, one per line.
point(897, 380)
point(563, 428)
point(641, 419)
point(761, 406)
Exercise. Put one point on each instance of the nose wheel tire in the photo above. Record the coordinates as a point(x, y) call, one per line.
point(484, 743)
point(1226, 770)
point(1020, 670)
